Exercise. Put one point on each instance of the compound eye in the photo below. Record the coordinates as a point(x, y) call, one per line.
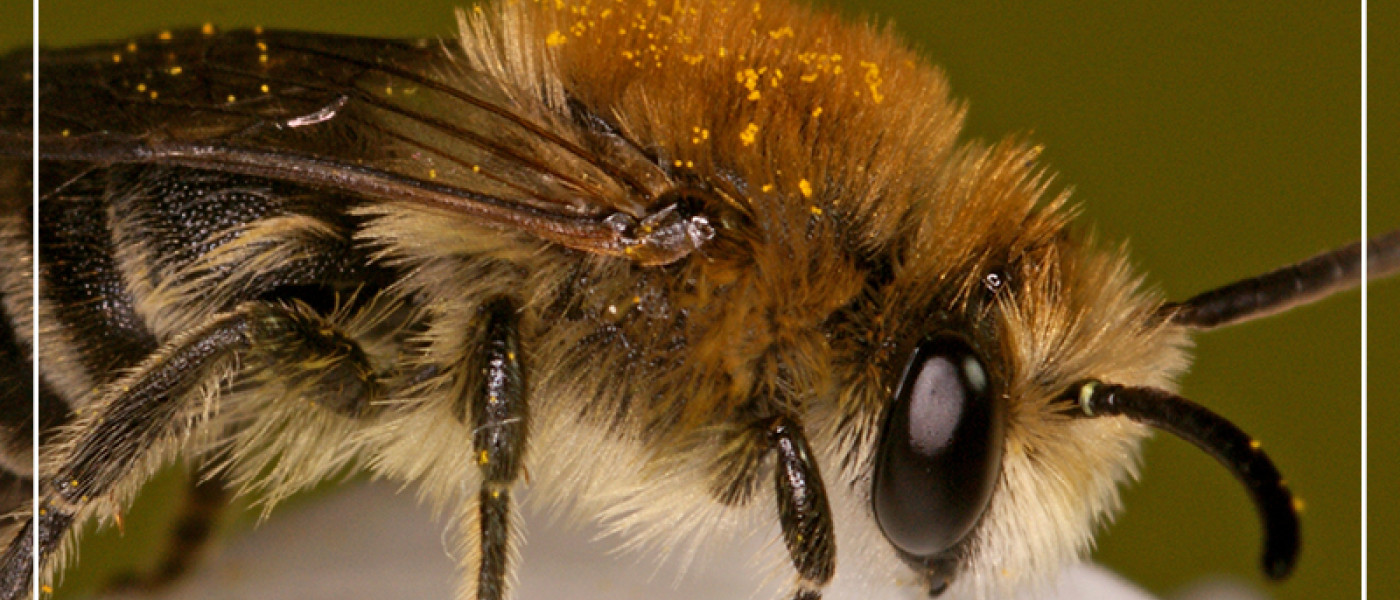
point(940, 449)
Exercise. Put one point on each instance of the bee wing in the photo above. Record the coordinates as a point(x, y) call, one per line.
point(399, 120)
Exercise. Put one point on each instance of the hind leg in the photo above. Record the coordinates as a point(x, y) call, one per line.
point(143, 414)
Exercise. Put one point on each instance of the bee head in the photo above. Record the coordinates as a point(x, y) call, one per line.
point(1016, 396)
point(986, 308)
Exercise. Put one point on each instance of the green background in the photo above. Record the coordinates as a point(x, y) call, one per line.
point(1383, 137)
point(1221, 141)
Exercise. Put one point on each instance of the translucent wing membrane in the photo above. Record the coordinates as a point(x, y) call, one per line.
point(392, 119)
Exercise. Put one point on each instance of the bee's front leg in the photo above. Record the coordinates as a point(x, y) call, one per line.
point(146, 411)
point(498, 413)
point(803, 511)
point(804, 514)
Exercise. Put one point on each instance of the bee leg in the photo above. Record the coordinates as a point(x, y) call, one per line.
point(499, 418)
point(153, 405)
point(15, 563)
point(803, 511)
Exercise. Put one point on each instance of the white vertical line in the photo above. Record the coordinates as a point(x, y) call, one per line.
point(1365, 203)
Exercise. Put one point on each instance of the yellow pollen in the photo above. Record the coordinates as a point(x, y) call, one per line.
point(482, 458)
point(749, 135)
point(164, 35)
point(207, 29)
point(555, 38)
point(805, 187)
point(873, 80)
point(816, 211)
point(116, 58)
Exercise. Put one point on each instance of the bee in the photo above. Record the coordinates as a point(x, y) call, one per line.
point(655, 274)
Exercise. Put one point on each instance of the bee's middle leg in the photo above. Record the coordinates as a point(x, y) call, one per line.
point(498, 414)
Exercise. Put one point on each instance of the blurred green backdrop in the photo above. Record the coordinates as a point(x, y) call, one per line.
point(1221, 141)
point(1383, 343)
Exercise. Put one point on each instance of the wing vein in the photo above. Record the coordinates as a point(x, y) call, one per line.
point(369, 99)
point(489, 107)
